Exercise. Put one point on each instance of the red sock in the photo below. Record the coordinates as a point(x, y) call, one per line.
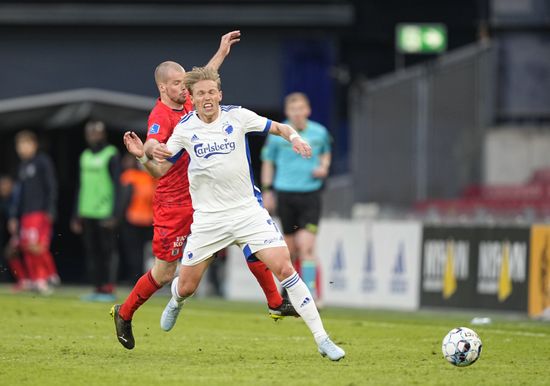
point(265, 279)
point(18, 269)
point(145, 287)
point(318, 281)
point(34, 266)
point(297, 266)
point(50, 264)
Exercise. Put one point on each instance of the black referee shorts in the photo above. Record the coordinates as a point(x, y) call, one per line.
point(299, 211)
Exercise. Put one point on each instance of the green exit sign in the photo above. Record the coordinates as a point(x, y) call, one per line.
point(421, 38)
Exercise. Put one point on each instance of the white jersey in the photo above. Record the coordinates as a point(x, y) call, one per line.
point(219, 172)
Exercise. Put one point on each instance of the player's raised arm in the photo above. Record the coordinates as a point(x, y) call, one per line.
point(299, 145)
point(135, 146)
point(226, 42)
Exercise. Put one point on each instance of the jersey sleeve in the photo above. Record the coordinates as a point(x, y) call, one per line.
point(159, 127)
point(176, 143)
point(254, 123)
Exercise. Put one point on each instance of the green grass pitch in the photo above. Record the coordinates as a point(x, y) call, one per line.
point(60, 340)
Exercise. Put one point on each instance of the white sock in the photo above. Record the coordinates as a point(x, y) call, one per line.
point(175, 295)
point(303, 302)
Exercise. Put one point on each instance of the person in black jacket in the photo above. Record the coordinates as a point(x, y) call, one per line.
point(33, 211)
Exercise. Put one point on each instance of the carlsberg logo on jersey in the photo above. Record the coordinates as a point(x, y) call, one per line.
point(206, 150)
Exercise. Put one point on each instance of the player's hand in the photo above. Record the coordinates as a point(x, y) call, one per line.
point(133, 144)
point(268, 198)
point(300, 146)
point(109, 223)
point(228, 40)
point(35, 248)
point(161, 152)
point(13, 226)
point(76, 226)
point(320, 172)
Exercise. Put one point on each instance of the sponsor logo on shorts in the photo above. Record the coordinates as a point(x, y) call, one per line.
point(179, 241)
point(189, 255)
point(273, 240)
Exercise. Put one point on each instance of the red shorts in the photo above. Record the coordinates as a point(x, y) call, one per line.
point(36, 228)
point(172, 224)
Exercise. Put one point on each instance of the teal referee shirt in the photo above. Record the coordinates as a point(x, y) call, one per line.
point(294, 173)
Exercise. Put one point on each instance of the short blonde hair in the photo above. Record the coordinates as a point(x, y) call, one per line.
point(296, 96)
point(201, 73)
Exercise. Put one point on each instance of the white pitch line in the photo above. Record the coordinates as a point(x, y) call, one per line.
point(486, 328)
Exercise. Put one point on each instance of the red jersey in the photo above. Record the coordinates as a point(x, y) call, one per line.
point(173, 187)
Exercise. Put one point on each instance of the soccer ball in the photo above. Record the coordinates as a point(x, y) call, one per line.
point(461, 347)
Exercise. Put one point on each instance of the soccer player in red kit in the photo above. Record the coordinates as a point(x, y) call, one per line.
point(172, 209)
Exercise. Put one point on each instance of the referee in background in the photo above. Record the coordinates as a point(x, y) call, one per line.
point(291, 186)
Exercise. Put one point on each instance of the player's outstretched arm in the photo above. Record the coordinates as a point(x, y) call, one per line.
point(161, 153)
point(226, 42)
point(299, 145)
point(135, 146)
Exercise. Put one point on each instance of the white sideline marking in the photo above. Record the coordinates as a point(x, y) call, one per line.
point(486, 328)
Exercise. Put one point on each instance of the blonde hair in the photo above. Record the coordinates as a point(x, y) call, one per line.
point(296, 96)
point(201, 73)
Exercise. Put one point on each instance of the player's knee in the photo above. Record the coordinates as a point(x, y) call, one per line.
point(186, 289)
point(284, 271)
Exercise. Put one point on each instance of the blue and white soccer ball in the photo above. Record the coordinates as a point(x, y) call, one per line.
point(461, 346)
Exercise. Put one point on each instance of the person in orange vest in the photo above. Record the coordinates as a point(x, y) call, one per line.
point(137, 190)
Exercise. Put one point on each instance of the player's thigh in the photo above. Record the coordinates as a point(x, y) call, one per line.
point(277, 259)
point(190, 277)
point(255, 230)
point(44, 230)
point(291, 244)
point(172, 226)
point(206, 239)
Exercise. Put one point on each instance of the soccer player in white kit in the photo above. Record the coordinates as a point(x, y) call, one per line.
point(227, 205)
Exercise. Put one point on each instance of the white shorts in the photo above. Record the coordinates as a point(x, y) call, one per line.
point(251, 229)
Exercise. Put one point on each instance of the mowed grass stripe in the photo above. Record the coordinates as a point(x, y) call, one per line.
point(62, 341)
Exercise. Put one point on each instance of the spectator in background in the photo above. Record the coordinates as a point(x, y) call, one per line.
point(137, 191)
point(297, 182)
point(33, 211)
point(9, 244)
point(6, 194)
point(94, 217)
